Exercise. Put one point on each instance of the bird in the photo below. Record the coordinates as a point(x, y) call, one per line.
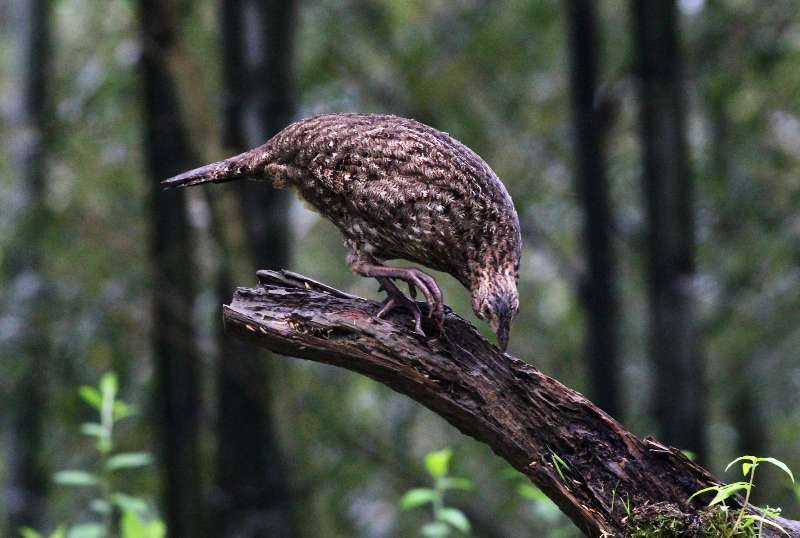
point(397, 189)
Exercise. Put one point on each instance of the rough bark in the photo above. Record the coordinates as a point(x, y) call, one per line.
point(23, 263)
point(527, 418)
point(597, 287)
point(251, 490)
point(176, 361)
point(679, 387)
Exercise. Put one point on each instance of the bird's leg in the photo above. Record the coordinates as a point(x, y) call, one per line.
point(422, 281)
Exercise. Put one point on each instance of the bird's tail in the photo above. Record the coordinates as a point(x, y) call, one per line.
point(231, 169)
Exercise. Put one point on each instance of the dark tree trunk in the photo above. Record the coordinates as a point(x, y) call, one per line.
point(23, 265)
point(167, 152)
point(598, 287)
point(678, 367)
point(251, 490)
point(604, 478)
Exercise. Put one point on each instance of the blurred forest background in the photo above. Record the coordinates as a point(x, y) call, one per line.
point(652, 149)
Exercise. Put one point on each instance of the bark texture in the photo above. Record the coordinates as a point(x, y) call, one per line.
point(598, 286)
point(527, 418)
point(177, 397)
point(679, 404)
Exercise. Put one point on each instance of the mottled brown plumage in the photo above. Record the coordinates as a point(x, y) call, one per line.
point(397, 189)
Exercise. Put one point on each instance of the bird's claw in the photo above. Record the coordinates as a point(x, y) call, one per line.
point(416, 280)
point(401, 301)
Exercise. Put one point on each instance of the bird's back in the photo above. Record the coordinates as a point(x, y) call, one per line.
point(399, 189)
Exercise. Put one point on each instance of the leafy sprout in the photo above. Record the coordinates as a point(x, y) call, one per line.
point(445, 518)
point(135, 518)
point(726, 491)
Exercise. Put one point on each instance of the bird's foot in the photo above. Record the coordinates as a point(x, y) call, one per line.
point(397, 299)
point(416, 280)
point(430, 290)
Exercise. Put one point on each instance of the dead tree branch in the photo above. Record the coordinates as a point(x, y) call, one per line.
point(532, 421)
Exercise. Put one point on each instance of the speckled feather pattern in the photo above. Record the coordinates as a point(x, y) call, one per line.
point(397, 188)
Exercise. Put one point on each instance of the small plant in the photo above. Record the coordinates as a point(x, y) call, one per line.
point(445, 518)
point(131, 515)
point(745, 521)
point(559, 464)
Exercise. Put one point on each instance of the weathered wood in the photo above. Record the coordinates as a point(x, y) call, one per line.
point(527, 418)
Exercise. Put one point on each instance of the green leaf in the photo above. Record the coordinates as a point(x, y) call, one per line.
point(60, 532)
point(531, 493)
point(87, 530)
point(725, 492)
point(134, 527)
point(436, 529)
point(92, 429)
point(455, 518)
point(770, 512)
point(127, 460)
point(780, 465)
point(128, 503)
point(75, 478)
point(559, 464)
point(766, 521)
point(704, 490)
point(91, 396)
point(157, 529)
point(751, 459)
point(122, 410)
point(691, 456)
point(455, 483)
point(417, 497)
point(27, 532)
point(746, 468)
point(438, 462)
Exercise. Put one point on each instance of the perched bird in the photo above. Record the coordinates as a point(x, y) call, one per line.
point(397, 189)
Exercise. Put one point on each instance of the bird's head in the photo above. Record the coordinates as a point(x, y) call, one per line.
point(496, 301)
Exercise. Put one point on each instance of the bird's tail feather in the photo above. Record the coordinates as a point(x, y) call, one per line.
point(230, 169)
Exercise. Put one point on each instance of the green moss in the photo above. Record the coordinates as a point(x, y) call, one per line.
point(658, 527)
point(664, 520)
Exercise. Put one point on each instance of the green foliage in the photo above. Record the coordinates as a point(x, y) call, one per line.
point(744, 522)
point(559, 464)
point(135, 518)
point(624, 502)
point(445, 518)
point(438, 462)
point(661, 527)
point(26, 532)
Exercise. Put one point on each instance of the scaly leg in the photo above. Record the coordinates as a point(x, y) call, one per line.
point(414, 277)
